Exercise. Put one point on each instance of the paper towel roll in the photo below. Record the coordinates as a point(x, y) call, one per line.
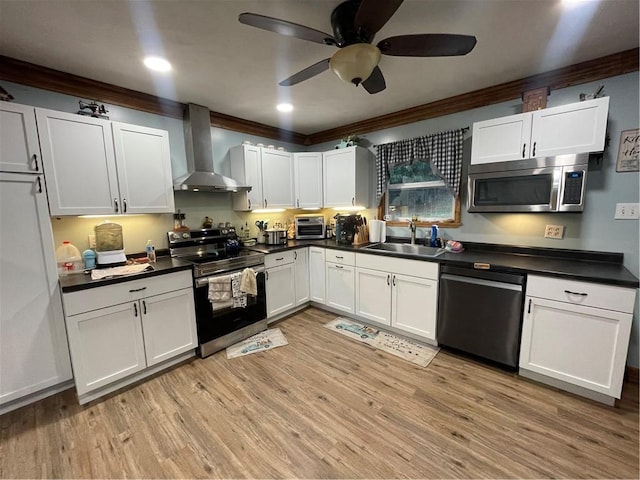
point(377, 231)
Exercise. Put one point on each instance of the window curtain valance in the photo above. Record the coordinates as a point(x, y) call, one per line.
point(443, 150)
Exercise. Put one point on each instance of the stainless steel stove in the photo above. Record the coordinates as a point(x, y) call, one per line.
point(215, 253)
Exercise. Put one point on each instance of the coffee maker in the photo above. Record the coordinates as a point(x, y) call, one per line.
point(346, 228)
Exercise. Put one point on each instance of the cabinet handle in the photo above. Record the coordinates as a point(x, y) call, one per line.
point(249, 200)
point(135, 309)
point(124, 205)
point(394, 281)
point(339, 257)
point(339, 266)
point(115, 201)
point(529, 309)
point(265, 203)
point(266, 275)
point(39, 185)
point(144, 307)
point(534, 149)
point(353, 201)
point(524, 147)
point(295, 255)
point(35, 161)
point(137, 289)
point(576, 293)
point(298, 202)
point(388, 279)
point(279, 259)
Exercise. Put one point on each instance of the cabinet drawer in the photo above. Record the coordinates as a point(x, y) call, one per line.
point(340, 256)
point(101, 297)
point(588, 294)
point(414, 268)
point(280, 258)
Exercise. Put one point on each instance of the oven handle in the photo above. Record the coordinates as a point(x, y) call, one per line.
point(201, 282)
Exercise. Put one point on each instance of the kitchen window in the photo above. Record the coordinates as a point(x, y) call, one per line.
point(414, 190)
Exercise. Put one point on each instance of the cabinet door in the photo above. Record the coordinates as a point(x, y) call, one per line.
point(33, 346)
point(169, 325)
point(339, 173)
point(277, 179)
point(246, 167)
point(584, 346)
point(77, 153)
point(19, 148)
point(106, 345)
point(501, 139)
point(307, 168)
point(575, 128)
point(144, 169)
point(373, 295)
point(414, 304)
point(280, 289)
point(317, 275)
point(301, 265)
point(340, 287)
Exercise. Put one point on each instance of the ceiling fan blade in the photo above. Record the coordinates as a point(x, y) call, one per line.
point(375, 83)
point(427, 45)
point(373, 14)
point(288, 29)
point(306, 74)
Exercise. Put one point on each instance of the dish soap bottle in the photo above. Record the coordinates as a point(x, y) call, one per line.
point(151, 251)
point(434, 236)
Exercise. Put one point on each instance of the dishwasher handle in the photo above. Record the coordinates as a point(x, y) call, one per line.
point(481, 282)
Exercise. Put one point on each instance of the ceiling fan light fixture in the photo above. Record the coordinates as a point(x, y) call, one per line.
point(354, 63)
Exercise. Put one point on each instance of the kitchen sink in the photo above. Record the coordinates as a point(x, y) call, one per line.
point(407, 249)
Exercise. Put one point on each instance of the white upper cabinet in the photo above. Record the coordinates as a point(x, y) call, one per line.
point(143, 163)
point(307, 167)
point(88, 174)
point(19, 148)
point(567, 129)
point(268, 172)
point(346, 177)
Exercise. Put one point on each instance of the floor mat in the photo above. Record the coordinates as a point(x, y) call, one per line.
point(259, 342)
point(409, 350)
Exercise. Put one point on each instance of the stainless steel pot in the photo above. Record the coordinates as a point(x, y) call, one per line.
point(275, 236)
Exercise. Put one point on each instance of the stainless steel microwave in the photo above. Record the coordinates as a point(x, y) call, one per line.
point(546, 184)
point(309, 227)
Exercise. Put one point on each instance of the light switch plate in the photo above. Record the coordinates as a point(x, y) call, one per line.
point(627, 211)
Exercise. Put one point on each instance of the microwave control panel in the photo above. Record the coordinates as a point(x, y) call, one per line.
point(573, 182)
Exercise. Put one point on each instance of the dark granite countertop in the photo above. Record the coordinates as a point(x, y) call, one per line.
point(83, 281)
point(602, 267)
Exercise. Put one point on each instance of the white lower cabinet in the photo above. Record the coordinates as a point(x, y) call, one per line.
point(280, 282)
point(317, 287)
point(120, 330)
point(340, 280)
point(301, 275)
point(575, 335)
point(398, 292)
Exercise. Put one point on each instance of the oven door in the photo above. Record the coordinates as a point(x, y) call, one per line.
point(534, 190)
point(213, 325)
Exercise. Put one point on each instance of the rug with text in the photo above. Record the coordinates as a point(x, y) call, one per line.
point(266, 340)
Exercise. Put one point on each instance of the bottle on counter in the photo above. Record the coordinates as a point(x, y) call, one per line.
point(151, 251)
point(68, 259)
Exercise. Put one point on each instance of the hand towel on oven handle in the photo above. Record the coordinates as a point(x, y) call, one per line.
point(248, 283)
point(220, 292)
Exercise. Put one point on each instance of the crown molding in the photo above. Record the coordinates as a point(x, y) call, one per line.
point(592, 70)
point(25, 73)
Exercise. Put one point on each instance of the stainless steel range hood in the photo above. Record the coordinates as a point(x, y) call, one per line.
point(200, 173)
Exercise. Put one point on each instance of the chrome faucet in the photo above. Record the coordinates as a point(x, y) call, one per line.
point(412, 227)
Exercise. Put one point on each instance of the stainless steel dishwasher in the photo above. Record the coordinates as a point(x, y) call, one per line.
point(480, 312)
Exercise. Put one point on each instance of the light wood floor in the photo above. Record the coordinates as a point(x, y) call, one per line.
point(324, 406)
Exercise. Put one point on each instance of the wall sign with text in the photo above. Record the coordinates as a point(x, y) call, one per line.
point(629, 151)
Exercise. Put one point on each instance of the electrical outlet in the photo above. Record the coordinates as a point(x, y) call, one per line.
point(554, 231)
point(92, 241)
point(627, 211)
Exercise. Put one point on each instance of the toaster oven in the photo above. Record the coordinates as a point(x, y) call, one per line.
point(309, 227)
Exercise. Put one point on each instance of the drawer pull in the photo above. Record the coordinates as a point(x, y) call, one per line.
point(137, 289)
point(279, 259)
point(576, 293)
point(339, 266)
point(339, 257)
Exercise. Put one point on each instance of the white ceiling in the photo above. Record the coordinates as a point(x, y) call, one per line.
point(235, 69)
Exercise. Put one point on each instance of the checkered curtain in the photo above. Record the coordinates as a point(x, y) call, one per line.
point(443, 150)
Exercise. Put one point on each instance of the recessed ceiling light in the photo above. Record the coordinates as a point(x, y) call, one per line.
point(157, 64)
point(284, 107)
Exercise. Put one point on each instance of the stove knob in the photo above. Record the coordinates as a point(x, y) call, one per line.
point(174, 236)
point(185, 235)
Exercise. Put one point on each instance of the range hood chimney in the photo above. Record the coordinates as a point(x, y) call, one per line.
point(200, 174)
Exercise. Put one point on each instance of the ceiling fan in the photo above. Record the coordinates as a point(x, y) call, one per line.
point(354, 24)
